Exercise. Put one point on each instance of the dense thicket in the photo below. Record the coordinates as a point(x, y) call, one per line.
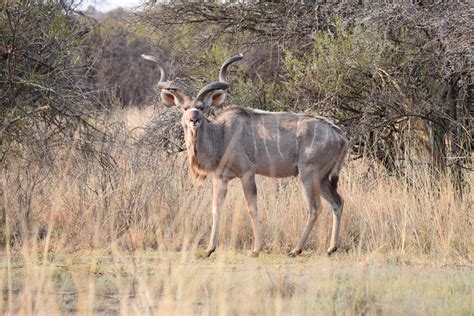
point(43, 95)
point(395, 76)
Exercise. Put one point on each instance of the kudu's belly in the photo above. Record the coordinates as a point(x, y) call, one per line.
point(276, 168)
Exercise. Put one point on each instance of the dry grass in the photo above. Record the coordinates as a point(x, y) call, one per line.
point(230, 283)
point(120, 236)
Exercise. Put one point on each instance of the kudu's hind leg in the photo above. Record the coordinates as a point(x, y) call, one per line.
point(311, 184)
point(219, 191)
point(250, 191)
point(329, 193)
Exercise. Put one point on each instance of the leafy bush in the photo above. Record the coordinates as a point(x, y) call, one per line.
point(42, 66)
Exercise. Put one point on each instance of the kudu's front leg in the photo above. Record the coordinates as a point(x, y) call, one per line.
point(219, 191)
point(250, 191)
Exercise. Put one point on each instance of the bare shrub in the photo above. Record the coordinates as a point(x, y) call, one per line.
point(164, 133)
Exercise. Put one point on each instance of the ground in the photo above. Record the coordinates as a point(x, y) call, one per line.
point(232, 283)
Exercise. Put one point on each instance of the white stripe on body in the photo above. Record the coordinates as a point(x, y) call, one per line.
point(278, 137)
point(254, 132)
point(297, 128)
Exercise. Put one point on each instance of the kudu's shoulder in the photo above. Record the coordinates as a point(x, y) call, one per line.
point(235, 110)
point(240, 111)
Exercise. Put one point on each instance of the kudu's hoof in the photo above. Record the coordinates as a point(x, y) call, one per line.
point(209, 252)
point(294, 253)
point(254, 254)
point(331, 250)
point(204, 254)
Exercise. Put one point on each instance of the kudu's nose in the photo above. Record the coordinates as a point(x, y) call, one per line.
point(194, 121)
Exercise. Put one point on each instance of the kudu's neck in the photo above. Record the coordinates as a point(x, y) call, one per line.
point(203, 146)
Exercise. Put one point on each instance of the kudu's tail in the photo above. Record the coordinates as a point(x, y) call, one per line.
point(334, 173)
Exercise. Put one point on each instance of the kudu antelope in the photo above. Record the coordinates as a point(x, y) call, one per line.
point(242, 142)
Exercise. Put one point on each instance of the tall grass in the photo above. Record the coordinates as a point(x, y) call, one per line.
point(77, 231)
point(141, 199)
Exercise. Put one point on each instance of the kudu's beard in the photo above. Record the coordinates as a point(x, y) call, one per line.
point(198, 169)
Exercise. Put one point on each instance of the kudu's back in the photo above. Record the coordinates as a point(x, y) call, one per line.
point(279, 144)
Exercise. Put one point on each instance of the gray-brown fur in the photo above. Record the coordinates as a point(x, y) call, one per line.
point(241, 143)
point(240, 140)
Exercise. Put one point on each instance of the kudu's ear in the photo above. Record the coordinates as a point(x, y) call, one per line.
point(218, 98)
point(169, 99)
